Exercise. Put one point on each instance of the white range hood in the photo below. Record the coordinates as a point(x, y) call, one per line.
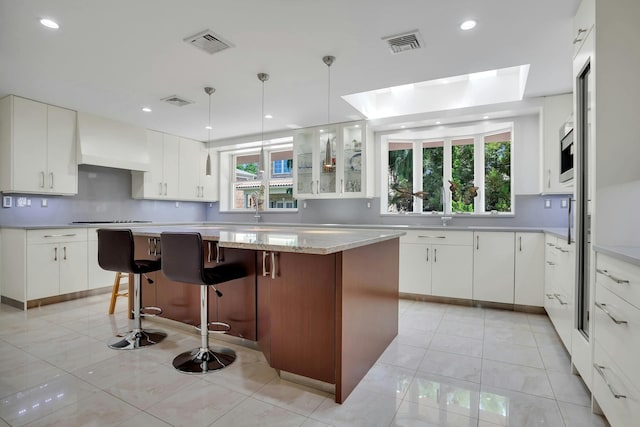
point(109, 143)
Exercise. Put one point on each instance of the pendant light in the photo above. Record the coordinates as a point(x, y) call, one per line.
point(207, 169)
point(328, 60)
point(263, 77)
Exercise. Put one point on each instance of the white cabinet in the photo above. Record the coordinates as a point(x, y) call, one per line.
point(37, 147)
point(493, 267)
point(559, 286)
point(194, 184)
point(97, 277)
point(436, 262)
point(529, 269)
point(56, 262)
point(330, 161)
point(556, 111)
point(583, 23)
point(161, 181)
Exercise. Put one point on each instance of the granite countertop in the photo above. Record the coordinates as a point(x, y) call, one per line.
point(630, 254)
point(308, 240)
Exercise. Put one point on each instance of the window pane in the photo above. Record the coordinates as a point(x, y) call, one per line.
point(246, 180)
point(497, 172)
point(400, 177)
point(462, 186)
point(281, 182)
point(432, 162)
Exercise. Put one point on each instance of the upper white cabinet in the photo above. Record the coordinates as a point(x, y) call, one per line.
point(556, 111)
point(583, 23)
point(529, 269)
point(330, 161)
point(161, 181)
point(195, 185)
point(37, 148)
point(493, 267)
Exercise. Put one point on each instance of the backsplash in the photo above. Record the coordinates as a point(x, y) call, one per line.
point(105, 194)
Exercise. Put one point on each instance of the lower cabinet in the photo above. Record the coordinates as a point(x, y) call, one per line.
point(529, 269)
point(493, 267)
point(452, 271)
point(559, 286)
point(96, 276)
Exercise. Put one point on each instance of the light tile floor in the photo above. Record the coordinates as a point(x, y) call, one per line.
point(449, 366)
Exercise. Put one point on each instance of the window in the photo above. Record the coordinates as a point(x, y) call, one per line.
point(278, 187)
point(451, 174)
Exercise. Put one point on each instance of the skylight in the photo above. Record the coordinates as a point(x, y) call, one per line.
point(467, 90)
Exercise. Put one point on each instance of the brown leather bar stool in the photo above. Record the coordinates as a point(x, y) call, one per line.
point(183, 261)
point(116, 253)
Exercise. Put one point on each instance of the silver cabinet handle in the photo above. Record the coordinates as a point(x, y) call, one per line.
point(165, 188)
point(209, 249)
point(578, 39)
point(551, 244)
point(265, 272)
point(55, 254)
point(559, 300)
point(435, 255)
point(551, 263)
point(64, 251)
point(341, 185)
point(318, 186)
point(202, 191)
point(160, 189)
point(561, 250)
point(59, 235)
point(478, 242)
point(520, 242)
point(41, 179)
point(219, 253)
point(274, 265)
point(427, 254)
point(548, 178)
point(603, 307)
point(610, 276)
point(432, 237)
point(613, 391)
point(550, 296)
point(50, 179)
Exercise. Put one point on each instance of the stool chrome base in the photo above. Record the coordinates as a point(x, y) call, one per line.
point(134, 340)
point(203, 360)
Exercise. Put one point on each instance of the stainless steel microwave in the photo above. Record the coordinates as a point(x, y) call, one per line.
point(566, 157)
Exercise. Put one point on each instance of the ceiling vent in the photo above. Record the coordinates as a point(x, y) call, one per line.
point(208, 41)
point(176, 100)
point(403, 42)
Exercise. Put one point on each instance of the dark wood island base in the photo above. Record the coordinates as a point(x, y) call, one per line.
point(324, 317)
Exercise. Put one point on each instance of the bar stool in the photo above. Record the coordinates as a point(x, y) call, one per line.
point(115, 292)
point(183, 261)
point(116, 253)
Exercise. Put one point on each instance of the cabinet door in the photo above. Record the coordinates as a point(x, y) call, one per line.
point(189, 180)
point(452, 271)
point(153, 178)
point(304, 160)
point(326, 144)
point(209, 184)
point(29, 146)
point(415, 269)
point(493, 267)
point(556, 110)
point(72, 257)
point(171, 166)
point(351, 161)
point(62, 167)
point(42, 271)
point(529, 269)
point(96, 276)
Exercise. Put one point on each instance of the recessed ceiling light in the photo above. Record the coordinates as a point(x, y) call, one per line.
point(485, 117)
point(268, 116)
point(438, 122)
point(468, 25)
point(321, 130)
point(49, 23)
point(208, 127)
point(146, 109)
point(402, 127)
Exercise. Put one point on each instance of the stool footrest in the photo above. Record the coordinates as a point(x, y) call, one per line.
point(150, 311)
point(226, 327)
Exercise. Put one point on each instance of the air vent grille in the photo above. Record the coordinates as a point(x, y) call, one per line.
point(177, 101)
point(208, 41)
point(404, 42)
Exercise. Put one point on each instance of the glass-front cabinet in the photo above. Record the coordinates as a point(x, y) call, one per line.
point(329, 161)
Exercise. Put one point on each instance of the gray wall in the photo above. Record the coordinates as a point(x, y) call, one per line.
point(103, 194)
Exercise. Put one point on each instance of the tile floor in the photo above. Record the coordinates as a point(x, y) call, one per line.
point(449, 366)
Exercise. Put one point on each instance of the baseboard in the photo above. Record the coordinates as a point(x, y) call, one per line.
point(473, 303)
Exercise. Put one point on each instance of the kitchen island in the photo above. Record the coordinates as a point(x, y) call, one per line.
point(320, 303)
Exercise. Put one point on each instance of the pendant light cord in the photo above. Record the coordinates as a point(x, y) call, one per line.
point(328, 94)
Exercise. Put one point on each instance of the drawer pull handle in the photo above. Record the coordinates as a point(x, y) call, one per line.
point(613, 391)
point(551, 263)
point(551, 244)
point(47, 236)
point(559, 300)
point(432, 237)
point(603, 307)
point(550, 296)
point(610, 276)
point(578, 39)
point(561, 250)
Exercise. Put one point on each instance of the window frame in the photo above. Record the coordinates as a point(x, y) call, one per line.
point(448, 135)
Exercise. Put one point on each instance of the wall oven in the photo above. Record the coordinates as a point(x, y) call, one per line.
point(566, 156)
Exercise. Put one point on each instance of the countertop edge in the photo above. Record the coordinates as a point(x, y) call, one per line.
point(630, 254)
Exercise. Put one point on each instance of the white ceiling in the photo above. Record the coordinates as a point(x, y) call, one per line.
point(111, 58)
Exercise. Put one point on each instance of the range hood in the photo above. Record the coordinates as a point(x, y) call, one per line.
point(109, 143)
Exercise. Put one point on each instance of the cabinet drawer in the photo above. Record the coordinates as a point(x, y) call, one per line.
point(56, 235)
point(615, 394)
point(617, 328)
point(439, 237)
point(621, 278)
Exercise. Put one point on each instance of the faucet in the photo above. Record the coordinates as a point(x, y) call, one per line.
point(445, 219)
point(255, 198)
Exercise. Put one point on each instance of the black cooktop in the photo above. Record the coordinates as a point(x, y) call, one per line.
point(114, 221)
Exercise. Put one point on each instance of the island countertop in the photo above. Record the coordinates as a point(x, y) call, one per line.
point(308, 240)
